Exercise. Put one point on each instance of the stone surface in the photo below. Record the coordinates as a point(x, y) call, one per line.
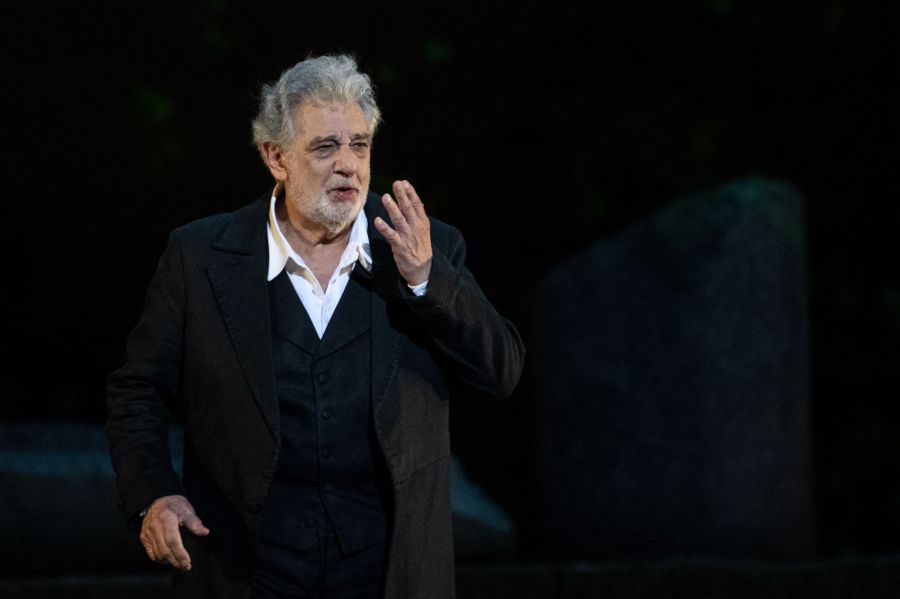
point(58, 512)
point(868, 578)
point(482, 531)
point(669, 385)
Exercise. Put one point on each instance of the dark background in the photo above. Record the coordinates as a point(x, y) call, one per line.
point(536, 131)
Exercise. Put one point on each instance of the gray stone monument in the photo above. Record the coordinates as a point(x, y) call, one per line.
point(670, 385)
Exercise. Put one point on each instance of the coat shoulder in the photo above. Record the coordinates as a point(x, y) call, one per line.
point(444, 231)
point(239, 230)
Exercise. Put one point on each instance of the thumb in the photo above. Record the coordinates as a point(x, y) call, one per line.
point(195, 525)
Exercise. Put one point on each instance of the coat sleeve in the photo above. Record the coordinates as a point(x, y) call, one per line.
point(141, 392)
point(485, 349)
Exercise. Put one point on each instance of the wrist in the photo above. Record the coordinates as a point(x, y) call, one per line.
point(419, 276)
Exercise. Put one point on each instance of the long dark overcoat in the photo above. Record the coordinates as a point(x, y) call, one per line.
point(203, 347)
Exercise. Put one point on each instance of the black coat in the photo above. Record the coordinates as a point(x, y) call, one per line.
point(203, 347)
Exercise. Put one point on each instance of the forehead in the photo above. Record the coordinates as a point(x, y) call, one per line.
point(324, 119)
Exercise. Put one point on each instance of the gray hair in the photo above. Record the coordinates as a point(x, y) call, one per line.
point(326, 79)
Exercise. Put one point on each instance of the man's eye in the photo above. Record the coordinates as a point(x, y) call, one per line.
point(324, 149)
point(360, 145)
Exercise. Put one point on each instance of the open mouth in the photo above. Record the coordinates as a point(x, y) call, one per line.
point(344, 192)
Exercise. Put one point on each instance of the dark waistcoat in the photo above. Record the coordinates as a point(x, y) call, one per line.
point(330, 473)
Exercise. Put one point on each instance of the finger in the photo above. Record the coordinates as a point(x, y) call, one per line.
point(195, 525)
point(416, 201)
point(164, 532)
point(385, 229)
point(161, 552)
point(404, 201)
point(148, 548)
point(166, 557)
point(176, 554)
point(397, 218)
point(148, 540)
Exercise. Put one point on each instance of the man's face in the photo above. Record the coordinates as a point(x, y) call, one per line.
point(326, 175)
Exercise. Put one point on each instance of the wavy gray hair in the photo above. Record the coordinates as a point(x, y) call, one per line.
point(327, 79)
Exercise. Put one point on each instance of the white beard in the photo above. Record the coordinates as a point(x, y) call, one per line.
point(336, 216)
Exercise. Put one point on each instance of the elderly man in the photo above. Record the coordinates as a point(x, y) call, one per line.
point(310, 340)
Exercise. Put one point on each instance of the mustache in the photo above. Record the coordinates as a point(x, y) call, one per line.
point(341, 182)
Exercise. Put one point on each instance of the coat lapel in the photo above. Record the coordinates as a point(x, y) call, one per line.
point(240, 287)
point(351, 317)
point(389, 321)
point(289, 317)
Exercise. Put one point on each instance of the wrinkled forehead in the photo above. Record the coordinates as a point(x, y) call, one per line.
point(326, 119)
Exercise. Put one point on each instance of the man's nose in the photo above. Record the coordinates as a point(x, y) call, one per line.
point(345, 161)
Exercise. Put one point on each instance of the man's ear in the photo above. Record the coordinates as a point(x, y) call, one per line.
point(274, 157)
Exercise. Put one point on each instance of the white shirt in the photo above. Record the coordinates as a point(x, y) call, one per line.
point(320, 304)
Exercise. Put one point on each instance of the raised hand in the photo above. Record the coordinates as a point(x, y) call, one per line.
point(410, 237)
point(161, 534)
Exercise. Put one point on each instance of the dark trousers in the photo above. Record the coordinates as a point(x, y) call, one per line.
point(322, 573)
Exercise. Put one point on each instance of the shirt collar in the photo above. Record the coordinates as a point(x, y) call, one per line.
point(280, 251)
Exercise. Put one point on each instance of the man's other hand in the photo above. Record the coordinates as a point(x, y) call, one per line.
point(161, 534)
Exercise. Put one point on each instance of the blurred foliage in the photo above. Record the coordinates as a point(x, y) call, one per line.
point(153, 107)
point(438, 52)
